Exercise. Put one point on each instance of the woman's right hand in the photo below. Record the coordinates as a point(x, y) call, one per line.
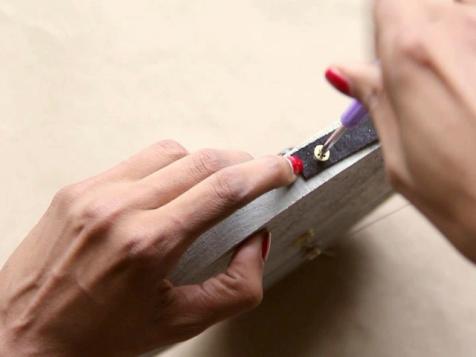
point(422, 97)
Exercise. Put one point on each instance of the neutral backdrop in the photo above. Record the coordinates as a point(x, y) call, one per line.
point(85, 83)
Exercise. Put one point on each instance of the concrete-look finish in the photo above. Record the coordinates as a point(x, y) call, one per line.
point(322, 208)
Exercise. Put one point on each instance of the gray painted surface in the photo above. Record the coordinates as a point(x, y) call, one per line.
point(327, 204)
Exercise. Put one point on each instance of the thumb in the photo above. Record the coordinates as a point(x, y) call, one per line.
point(363, 82)
point(237, 290)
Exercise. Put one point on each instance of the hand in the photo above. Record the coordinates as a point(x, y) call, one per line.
point(422, 98)
point(91, 278)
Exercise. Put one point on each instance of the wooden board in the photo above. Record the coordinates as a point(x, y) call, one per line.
point(326, 205)
point(304, 219)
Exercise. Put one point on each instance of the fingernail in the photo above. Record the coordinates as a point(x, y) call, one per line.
point(296, 164)
point(338, 81)
point(266, 246)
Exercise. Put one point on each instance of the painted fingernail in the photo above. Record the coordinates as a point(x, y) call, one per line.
point(296, 164)
point(266, 246)
point(338, 81)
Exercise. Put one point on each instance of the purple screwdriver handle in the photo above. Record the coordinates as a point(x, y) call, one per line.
point(354, 115)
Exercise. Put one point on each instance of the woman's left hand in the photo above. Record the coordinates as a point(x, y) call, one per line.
point(91, 278)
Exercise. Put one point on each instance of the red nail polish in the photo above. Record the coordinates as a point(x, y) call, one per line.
point(266, 246)
point(297, 164)
point(338, 81)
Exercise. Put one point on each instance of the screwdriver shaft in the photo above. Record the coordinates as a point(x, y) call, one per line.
point(334, 138)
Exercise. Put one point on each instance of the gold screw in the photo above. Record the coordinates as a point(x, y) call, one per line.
point(305, 240)
point(312, 253)
point(308, 247)
point(319, 155)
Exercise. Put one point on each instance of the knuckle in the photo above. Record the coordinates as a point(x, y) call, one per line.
point(276, 167)
point(245, 292)
point(67, 195)
point(97, 215)
point(230, 186)
point(99, 210)
point(171, 148)
point(207, 161)
point(57, 278)
point(394, 178)
point(141, 242)
point(411, 45)
point(139, 248)
point(250, 296)
point(246, 156)
point(372, 93)
point(140, 245)
point(372, 99)
point(176, 224)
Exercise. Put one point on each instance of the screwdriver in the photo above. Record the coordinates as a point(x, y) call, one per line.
point(352, 117)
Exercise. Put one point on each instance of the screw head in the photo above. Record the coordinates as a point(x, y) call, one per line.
point(321, 156)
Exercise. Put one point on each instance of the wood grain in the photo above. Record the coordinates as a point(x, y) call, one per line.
point(327, 205)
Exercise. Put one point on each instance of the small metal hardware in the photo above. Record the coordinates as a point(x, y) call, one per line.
point(320, 155)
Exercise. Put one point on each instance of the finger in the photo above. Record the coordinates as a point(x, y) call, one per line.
point(237, 290)
point(364, 81)
point(170, 182)
point(366, 84)
point(219, 195)
point(147, 161)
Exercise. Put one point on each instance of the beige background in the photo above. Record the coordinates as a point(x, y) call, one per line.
point(85, 83)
